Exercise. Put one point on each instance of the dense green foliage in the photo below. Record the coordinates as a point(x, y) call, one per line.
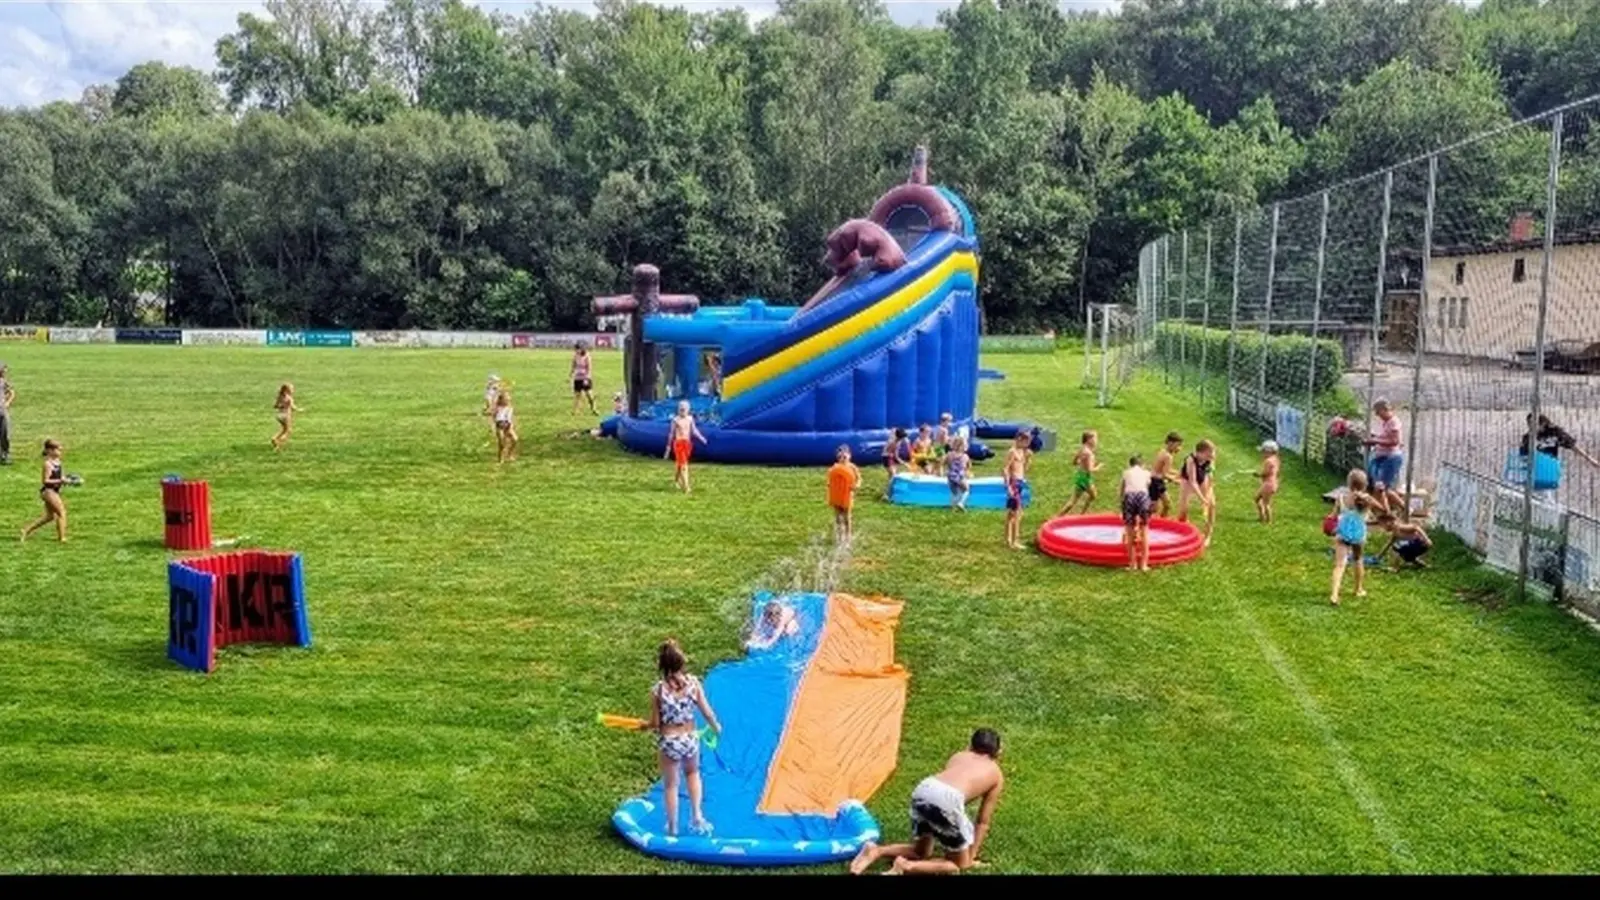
point(425, 163)
point(469, 620)
point(1286, 358)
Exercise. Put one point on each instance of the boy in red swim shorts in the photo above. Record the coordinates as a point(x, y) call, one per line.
point(679, 445)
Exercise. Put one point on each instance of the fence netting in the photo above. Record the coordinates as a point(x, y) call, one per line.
point(1459, 291)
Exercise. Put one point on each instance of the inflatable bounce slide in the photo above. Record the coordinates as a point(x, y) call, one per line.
point(891, 341)
point(810, 731)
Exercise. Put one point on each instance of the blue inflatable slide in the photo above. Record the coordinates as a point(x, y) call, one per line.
point(890, 342)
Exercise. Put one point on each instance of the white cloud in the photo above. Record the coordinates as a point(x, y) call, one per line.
point(53, 50)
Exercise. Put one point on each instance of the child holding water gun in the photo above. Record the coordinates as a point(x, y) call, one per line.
point(673, 701)
point(1270, 464)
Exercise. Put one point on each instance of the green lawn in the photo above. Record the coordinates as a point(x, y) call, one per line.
point(470, 620)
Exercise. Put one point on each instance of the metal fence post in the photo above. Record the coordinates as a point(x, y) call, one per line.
point(1166, 286)
point(1266, 332)
point(1233, 314)
point(1422, 327)
point(1552, 177)
point(1088, 341)
point(1183, 315)
point(1316, 325)
point(1105, 349)
point(1205, 321)
point(1377, 303)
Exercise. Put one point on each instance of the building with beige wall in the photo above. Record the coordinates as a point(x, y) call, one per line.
point(1484, 301)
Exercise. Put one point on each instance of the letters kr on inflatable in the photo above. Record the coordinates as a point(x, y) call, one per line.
point(235, 598)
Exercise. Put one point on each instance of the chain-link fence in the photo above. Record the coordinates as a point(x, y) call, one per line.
point(1451, 302)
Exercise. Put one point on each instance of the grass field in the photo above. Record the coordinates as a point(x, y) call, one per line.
point(470, 620)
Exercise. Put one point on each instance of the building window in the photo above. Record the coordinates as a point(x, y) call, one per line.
point(1519, 271)
point(1461, 312)
point(1461, 272)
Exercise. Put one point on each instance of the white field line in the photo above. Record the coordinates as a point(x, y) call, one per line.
point(1344, 765)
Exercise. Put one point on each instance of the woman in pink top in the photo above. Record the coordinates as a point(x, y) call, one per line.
point(1387, 459)
point(582, 386)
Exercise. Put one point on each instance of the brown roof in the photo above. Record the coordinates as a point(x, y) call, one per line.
point(1588, 235)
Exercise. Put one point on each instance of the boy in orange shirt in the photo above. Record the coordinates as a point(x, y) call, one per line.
point(843, 479)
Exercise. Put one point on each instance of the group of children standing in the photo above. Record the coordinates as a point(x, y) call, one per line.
point(1145, 493)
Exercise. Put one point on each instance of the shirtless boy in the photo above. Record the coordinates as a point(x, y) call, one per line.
point(678, 445)
point(939, 813)
point(1016, 475)
point(1083, 479)
point(1163, 473)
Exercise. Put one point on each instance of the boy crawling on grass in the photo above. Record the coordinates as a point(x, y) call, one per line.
point(939, 813)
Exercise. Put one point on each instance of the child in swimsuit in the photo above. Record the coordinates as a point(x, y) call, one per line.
point(843, 479)
point(1269, 481)
point(943, 437)
point(619, 404)
point(1016, 475)
point(956, 473)
point(491, 390)
point(679, 445)
point(505, 428)
point(51, 479)
point(673, 701)
point(1350, 535)
point(922, 451)
point(1083, 481)
point(1408, 540)
point(286, 409)
point(777, 621)
point(1136, 514)
point(582, 386)
point(1197, 483)
point(891, 457)
point(1163, 474)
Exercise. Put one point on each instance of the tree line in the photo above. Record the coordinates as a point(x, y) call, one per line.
point(426, 164)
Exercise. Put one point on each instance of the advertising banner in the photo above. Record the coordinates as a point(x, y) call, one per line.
point(23, 333)
point(481, 340)
point(83, 335)
point(330, 339)
point(387, 339)
point(149, 336)
point(1291, 429)
point(211, 337)
point(1017, 343)
point(1458, 510)
point(594, 340)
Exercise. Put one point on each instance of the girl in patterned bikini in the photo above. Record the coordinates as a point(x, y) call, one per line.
point(673, 701)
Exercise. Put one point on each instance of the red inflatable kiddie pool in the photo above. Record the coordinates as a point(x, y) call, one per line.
point(1097, 540)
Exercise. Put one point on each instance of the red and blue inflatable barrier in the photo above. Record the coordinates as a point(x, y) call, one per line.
point(254, 597)
point(187, 509)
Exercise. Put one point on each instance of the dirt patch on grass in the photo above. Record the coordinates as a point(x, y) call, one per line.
point(1484, 598)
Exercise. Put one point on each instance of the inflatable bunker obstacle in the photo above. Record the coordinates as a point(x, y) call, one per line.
point(253, 597)
point(186, 505)
point(890, 341)
point(810, 730)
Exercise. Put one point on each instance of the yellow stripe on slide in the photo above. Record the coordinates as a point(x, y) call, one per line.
point(829, 339)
